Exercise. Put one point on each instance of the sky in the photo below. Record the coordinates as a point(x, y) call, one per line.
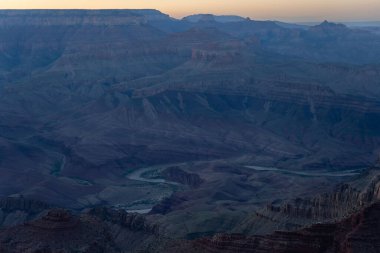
point(287, 10)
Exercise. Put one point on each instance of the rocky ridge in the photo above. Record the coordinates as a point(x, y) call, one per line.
point(107, 230)
point(11, 18)
point(16, 210)
point(358, 233)
point(175, 174)
point(345, 200)
point(98, 230)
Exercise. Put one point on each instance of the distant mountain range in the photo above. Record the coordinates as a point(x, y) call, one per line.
point(210, 17)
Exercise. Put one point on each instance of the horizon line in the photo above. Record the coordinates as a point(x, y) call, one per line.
point(179, 17)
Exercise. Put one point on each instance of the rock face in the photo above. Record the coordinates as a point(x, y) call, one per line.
point(168, 204)
point(56, 219)
point(58, 231)
point(16, 210)
point(88, 97)
point(99, 230)
point(132, 221)
point(11, 18)
point(175, 174)
point(105, 230)
point(21, 203)
point(358, 233)
point(155, 90)
point(342, 202)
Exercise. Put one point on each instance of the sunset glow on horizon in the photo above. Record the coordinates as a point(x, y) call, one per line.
point(291, 10)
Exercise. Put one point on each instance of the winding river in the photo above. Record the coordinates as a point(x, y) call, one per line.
point(138, 176)
point(347, 173)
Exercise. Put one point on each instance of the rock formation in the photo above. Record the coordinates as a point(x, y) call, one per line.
point(175, 174)
point(90, 97)
point(59, 231)
point(99, 230)
point(16, 210)
point(358, 233)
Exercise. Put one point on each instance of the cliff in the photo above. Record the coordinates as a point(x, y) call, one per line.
point(11, 18)
point(16, 210)
point(344, 201)
point(356, 234)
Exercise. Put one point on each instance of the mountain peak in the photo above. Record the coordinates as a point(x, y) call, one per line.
point(325, 22)
point(327, 25)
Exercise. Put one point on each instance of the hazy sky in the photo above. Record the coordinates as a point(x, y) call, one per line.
point(291, 10)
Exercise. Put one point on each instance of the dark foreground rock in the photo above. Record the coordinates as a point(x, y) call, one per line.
point(102, 230)
point(99, 230)
point(16, 210)
point(359, 233)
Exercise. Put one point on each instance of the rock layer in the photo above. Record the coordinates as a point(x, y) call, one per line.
point(358, 233)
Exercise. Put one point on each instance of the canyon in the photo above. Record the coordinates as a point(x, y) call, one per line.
point(132, 131)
